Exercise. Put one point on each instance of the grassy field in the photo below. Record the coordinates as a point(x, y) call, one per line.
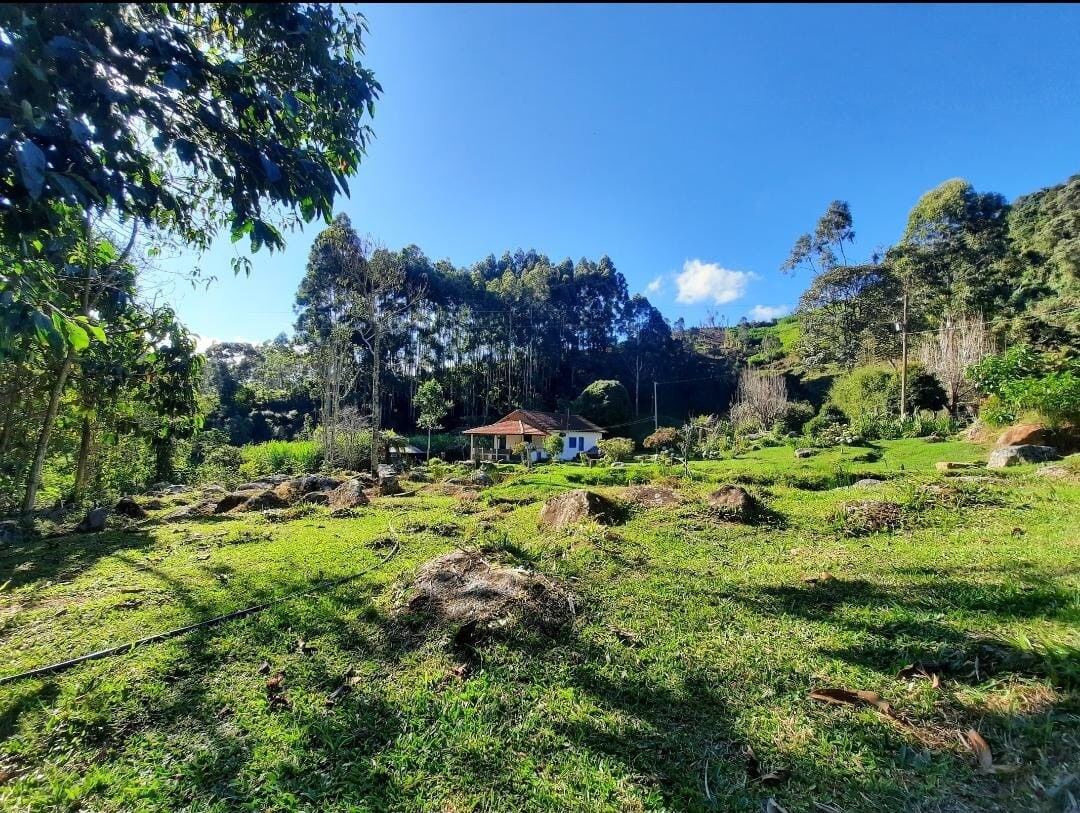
point(683, 683)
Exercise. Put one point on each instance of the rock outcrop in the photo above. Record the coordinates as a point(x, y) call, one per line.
point(1018, 455)
point(575, 506)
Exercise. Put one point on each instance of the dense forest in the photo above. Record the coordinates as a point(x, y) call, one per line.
point(101, 390)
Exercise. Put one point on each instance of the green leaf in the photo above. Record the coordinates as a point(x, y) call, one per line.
point(76, 336)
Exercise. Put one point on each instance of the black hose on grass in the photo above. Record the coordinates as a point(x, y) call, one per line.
point(63, 666)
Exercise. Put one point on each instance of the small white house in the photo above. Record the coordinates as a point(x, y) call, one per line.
point(526, 425)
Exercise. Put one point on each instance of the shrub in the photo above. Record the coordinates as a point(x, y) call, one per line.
point(663, 438)
point(280, 457)
point(1054, 396)
point(1020, 381)
point(796, 416)
point(614, 449)
point(863, 392)
point(553, 446)
point(830, 416)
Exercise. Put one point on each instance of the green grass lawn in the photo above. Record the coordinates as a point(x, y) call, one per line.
point(682, 685)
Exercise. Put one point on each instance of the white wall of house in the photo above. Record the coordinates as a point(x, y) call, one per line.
point(582, 442)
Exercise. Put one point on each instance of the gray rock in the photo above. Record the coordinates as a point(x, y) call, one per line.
point(9, 531)
point(389, 485)
point(574, 506)
point(417, 476)
point(867, 482)
point(349, 494)
point(1018, 455)
point(316, 498)
point(734, 502)
point(129, 508)
point(481, 478)
point(94, 521)
point(800, 453)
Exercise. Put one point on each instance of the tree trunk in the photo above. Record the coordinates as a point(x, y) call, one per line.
point(82, 466)
point(42, 449)
point(376, 400)
point(429, 443)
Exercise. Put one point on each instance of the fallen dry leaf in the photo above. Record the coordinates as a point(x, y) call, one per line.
point(981, 750)
point(917, 670)
point(848, 697)
point(6, 775)
point(276, 683)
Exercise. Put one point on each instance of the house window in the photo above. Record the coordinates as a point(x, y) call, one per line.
point(573, 443)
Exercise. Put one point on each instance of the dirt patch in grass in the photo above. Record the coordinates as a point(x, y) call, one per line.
point(870, 516)
point(652, 496)
point(464, 588)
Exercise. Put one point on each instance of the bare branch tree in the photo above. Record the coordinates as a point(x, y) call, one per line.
point(760, 400)
point(959, 343)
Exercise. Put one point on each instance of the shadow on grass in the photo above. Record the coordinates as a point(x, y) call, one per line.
point(922, 636)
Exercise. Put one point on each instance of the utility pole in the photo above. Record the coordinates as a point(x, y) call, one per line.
point(903, 358)
point(655, 408)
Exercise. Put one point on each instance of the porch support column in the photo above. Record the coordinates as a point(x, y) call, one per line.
point(472, 448)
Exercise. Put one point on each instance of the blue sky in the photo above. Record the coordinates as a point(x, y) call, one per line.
point(692, 145)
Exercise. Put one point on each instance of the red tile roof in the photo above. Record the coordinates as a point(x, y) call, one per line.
point(531, 422)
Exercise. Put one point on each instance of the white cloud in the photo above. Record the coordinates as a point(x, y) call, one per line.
point(764, 313)
point(700, 281)
point(204, 343)
point(654, 286)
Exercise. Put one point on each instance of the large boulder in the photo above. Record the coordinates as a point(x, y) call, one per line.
point(868, 482)
point(802, 453)
point(263, 501)
point(349, 494)
point(575, 506)
point(129, 508)
point(1017, 455)
point(236, 498)
point(734, 502)
point(94, 521)
point(481, 478)
point(389, 485)
point(292, 490)
point(315, 498)
point(1025, 434)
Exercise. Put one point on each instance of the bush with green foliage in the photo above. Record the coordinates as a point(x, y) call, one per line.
point(1021, 381)
point(616, 449)
point(796, 416)
point(553, 446)
point(281, 457)
point(873, 393)
point(829, 417)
